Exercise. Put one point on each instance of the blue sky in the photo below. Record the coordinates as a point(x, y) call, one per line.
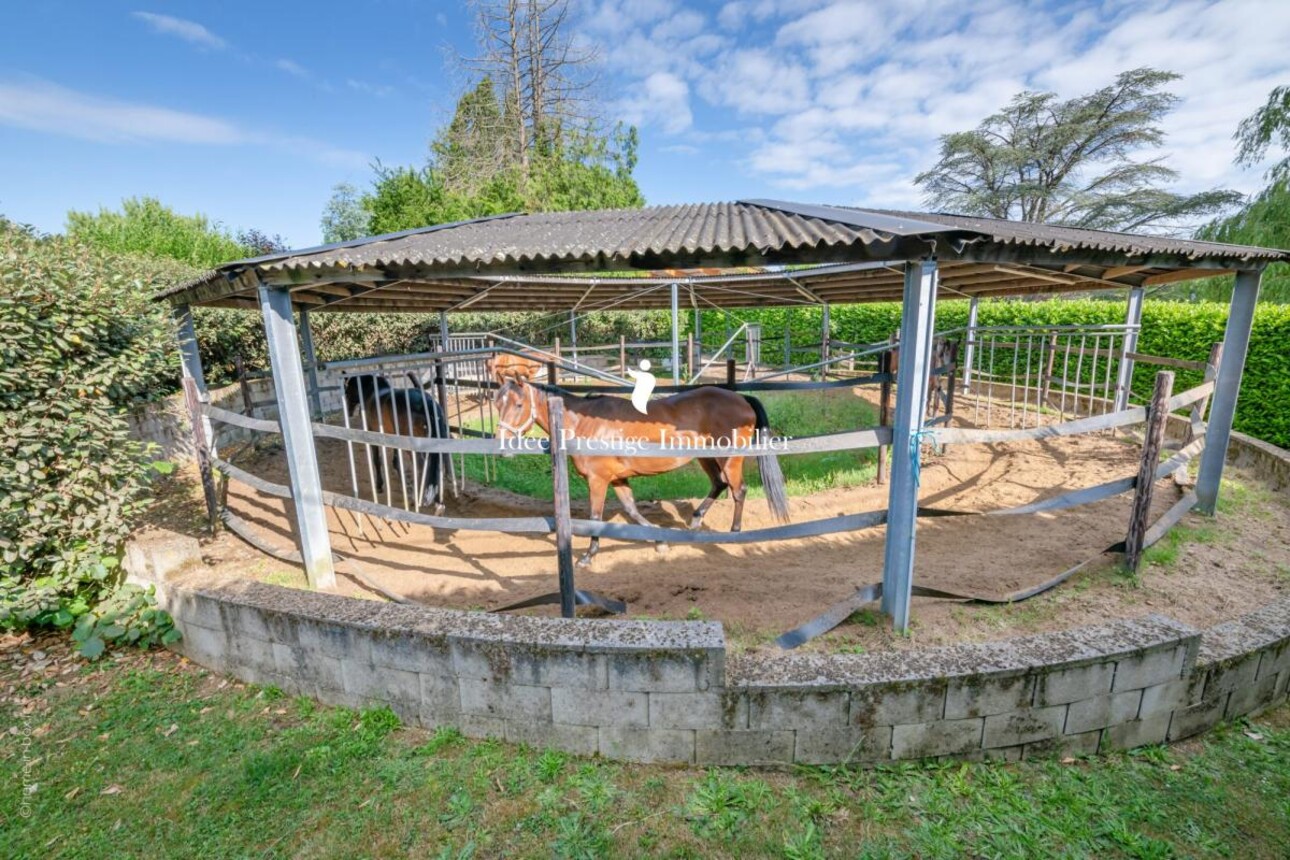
point(251, 112)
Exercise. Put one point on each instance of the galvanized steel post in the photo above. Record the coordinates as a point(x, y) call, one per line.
point(826, 338)
point(573, 334)
point(311, 362)
point(971, 344)
point(1132, 324)
point(297, 437)
point(191, 362)
point(1236, 343)
point(676, 336)
point(698, 335)
point(917, 323)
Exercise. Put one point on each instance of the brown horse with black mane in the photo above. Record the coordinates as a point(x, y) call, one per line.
point(371, 399)
point(702, 417)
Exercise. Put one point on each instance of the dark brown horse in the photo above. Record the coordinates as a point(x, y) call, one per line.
point(693, 419)
point(402, 412)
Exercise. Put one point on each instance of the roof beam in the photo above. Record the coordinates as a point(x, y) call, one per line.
point(1184, 275)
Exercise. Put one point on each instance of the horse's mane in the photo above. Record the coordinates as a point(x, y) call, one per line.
point(564, 392)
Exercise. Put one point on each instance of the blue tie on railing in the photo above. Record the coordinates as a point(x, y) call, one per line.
point(915, 443)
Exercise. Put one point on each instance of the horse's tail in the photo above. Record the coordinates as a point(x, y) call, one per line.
point(772, 479)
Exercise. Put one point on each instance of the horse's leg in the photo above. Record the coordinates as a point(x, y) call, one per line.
point(597, 487)
point(378, 465)
point(713, 468)
point(734, 474)
point(628, 501)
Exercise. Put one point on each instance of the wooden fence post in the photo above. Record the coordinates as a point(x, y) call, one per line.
point(730, 374)
point(1139, 518)
point(689, 354)
point(552, 375)
point(951, 375)
point(884, 410)
point(622, 354)
point(202, 450)
point(563, 519)
point(248, 402)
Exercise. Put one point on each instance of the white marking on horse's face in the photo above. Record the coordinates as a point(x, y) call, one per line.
point(512, 408)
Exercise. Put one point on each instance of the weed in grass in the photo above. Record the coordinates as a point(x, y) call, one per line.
point(443, 737)
point(694, 614)
point(806, 844)
point(595, 789)
point(866, 617)
point(451, 852)
point(1127, 577)
point(1167, 551)
point(579, 837)
point(459, 810)
point(285, 578)
point(549, 765)
point(721, 804)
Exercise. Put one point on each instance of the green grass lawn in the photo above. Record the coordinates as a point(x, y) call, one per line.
point(792, 414)
point(144, 755)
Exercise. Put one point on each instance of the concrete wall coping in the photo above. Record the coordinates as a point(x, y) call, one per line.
point(1058, 649)
point(435, 623)
point(1262, 628)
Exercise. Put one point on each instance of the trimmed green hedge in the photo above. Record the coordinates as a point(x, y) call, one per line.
point(80, 342)
point(1174, 329)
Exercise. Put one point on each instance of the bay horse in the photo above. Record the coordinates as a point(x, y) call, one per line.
point(689, 419)
point(379, 407)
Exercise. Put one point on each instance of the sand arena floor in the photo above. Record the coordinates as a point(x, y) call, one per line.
point(1217, 569)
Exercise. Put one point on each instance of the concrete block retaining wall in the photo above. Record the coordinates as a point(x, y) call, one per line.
point(667, 692)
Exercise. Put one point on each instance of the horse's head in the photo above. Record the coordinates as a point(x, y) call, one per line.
point(517, 410)
point(362, 387)
point(505, 365)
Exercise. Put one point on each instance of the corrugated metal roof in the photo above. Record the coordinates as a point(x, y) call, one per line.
point(692, 236)
point(1062, 238)
point(589, 236)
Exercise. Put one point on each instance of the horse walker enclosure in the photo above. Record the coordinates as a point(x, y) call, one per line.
point(379, 452)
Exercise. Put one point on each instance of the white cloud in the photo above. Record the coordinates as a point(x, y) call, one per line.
point(180, 28)
point(42, 106)
point(662, 99)
point(757, 81)
point(293, 68)
point(378, 90)
point(852, 96)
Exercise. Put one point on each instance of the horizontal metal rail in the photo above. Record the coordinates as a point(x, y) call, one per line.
point(792, 531)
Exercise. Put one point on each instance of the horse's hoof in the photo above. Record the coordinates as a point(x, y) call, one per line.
point(661, 548)
point(585, 561)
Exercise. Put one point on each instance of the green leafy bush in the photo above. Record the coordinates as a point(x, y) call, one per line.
point(148, 227)
point(80, 341)
point(1174, 329)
